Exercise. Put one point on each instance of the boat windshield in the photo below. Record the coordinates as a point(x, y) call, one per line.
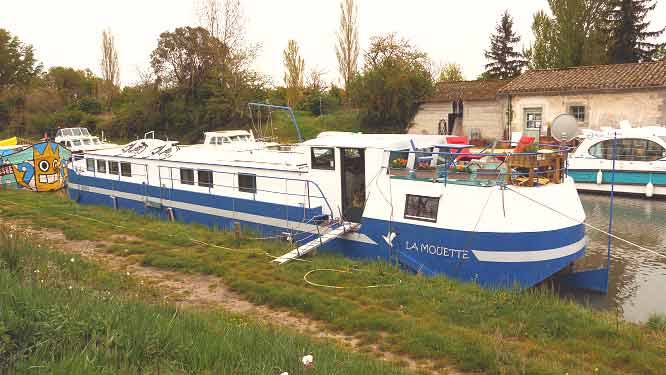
point(85, 132)
point(76, 132)
point(67, 132)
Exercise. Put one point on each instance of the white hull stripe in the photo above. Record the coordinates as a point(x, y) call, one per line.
point(235, 215)
point(529, 256)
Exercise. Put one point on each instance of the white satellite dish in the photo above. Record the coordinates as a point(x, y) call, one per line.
point(564, 127)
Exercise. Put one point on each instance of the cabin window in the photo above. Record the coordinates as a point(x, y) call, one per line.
point(187, 176)
point(247, 183)
point(421, 208)
point(213, 140)
point(629, 149)
point(101, 166)
point(90, 165)
point(205, 178)
point(113, 167)
point(578, 111)
point(76, 142)
point(323, 158)
point(126, 169)
point(86, 141)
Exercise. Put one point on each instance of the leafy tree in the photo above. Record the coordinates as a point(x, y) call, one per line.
point(294, 66)
point(394, 79)
point(347, 49)
point(72, 84)
point(505, 61)
point(451, 73)
point(631, 40)
point(660, 54)
point(18, 66)
point(185, 58)
point(575, 35)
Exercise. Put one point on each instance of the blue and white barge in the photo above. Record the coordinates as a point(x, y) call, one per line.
point(498, 220)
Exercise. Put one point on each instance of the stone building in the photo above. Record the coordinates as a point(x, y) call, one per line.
point(468, 108)
point(598, 96)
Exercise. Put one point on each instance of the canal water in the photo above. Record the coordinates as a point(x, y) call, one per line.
point(637, 283)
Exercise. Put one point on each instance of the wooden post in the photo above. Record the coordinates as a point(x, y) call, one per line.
point(237, 231)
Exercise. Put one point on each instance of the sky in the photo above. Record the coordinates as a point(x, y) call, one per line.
point(68, 32)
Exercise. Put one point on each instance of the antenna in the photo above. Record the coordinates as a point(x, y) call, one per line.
point(564, 128)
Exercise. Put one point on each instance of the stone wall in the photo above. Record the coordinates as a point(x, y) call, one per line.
point(427, 118)
point(486, 116)
point(640, 108)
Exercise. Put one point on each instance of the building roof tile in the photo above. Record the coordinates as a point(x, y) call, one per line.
point(589, 78)
point(480, 90)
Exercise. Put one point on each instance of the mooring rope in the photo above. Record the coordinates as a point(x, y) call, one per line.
point(305, 278)
point(589, 225)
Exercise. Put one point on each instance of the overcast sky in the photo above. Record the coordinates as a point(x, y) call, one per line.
point(68, 32)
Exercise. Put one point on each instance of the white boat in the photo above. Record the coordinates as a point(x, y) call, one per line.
point(640, 165)
point(410, 199)
point(79, 140)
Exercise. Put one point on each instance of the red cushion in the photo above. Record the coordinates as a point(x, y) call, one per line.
point(523, 143)
point(457, 140)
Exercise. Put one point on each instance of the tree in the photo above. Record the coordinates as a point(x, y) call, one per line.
point(109, 64)
point(451, 73)
point(660, 54)
point(18, 66)
point(294, 73)
point(395, 78)
point(631, 40)
point(185, 58)
point(347, 49)
point(575, 35)
point(505, 62)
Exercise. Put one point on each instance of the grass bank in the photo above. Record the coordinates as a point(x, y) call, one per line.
point(447, 322)
point(345, 120)
point(62, 315)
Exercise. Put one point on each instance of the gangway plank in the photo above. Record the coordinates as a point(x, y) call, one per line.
point(317, 242)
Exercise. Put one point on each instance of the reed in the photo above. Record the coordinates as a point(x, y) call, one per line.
point(450, 323)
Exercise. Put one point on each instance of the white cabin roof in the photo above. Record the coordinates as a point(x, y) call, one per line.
point(375, 141)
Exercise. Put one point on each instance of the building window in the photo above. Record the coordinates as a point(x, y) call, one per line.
point(126, 169)
point(187, 176)
point(205, 178)
point(101, 166)
point(421, 208)
point(90, 165)
point(533, 118)
point(578, 111)
point(628, 150)
point(247, 183)
point(323, 158)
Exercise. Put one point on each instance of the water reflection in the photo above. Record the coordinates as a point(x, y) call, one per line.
point(637, 278)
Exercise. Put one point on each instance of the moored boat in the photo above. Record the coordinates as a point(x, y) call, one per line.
point(79, 140)
point(499, 220)
point(640, 161)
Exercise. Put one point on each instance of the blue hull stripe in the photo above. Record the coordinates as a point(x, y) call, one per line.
point(523, 259)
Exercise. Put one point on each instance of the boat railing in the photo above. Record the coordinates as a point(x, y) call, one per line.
point(546, 165)
point(304, 189)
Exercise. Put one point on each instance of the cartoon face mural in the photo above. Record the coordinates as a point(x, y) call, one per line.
point(42, 167)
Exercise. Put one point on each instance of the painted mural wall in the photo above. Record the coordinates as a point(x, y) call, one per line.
point(40, 167)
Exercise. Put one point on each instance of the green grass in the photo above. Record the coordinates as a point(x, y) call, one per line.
point(445, 321)
point(62, 315)
point(343, 120)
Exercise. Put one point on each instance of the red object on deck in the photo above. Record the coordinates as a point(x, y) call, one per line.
point(457, 140)
point(523, 143)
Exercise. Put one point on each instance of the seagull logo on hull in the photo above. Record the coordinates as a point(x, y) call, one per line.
point(389, 237)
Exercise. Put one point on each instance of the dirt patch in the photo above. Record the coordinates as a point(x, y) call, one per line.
point(205, 291)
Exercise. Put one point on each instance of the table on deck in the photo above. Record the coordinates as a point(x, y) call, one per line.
point(543, 159)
